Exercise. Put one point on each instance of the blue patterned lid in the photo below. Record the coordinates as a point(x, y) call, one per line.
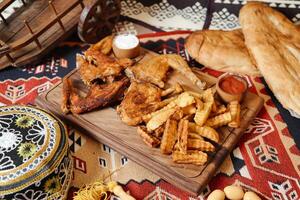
point(33, 144)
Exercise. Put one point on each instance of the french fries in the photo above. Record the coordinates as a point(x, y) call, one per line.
point(186, 125)
point(235, 111)
point(159, 119)
point(195, 136)
point(183, 127)
point(181, 101)
point(202, 114)
point(191, 157)
point(220, 110)
point(204, 131)
point(219, 120)
point(159, 131)
point(189, 110)
point(149, 139)
point(201, 145)
point(169, 137)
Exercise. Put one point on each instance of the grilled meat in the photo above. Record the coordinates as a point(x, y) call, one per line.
point(98, 96)
point(139, 100)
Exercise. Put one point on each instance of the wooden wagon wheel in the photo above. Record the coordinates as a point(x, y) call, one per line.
point(98, 19)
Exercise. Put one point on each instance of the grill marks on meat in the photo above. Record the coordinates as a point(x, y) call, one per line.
point(98, 96)
point(97, 66)
point(93, 66)
point(139, 100)
point(153, 71)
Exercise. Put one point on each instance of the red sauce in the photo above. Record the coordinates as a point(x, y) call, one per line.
point(232, 85)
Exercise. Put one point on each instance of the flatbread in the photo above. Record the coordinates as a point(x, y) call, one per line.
point(221, 50)
point(274, 42)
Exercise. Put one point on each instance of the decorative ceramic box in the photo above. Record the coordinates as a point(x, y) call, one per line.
point(35, 162)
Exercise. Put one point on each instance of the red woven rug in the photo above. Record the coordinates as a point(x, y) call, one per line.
point(266, 160)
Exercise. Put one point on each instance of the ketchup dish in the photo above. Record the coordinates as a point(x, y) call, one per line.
point(231, 87)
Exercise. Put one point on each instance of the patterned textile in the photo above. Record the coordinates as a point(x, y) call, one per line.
point(194, 15)
point(35, 161)
point(266, 160)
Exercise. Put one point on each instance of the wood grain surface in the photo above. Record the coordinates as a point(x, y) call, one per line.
point(105, 126)
point(45, 27)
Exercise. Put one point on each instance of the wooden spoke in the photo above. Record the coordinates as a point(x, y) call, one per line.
point(58, 19)
point(31, 32)
point(98, 19)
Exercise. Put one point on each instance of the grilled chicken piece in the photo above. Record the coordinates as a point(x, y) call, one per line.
point(99, 66)
point(139, 100)
point(153, 71)
point(97, 96)
point(104, 45)
point(96, 64)
point(67, 91)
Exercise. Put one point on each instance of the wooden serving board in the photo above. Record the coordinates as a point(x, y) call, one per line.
point(106, 127)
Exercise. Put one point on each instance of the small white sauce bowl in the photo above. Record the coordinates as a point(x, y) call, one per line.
point(126, 46)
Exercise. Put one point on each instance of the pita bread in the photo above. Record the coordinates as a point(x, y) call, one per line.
point(274, 42)
point(221, 50)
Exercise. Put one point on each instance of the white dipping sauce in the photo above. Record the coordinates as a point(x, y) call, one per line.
point(126, 41)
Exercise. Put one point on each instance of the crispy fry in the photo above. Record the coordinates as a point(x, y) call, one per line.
point(159, 131)
point(183, 135)
point(195, 136)
point(158, 105)
point(149, 139)
point(219, 120)
point(189, 110)
point(183, 100)
point(235, 110)
point(220, 110)
point(202, 115)
point(178, 114)
point(199, 103)
point(159, 119)
point(204, 131)
point(188, 117)
point(195, 94)
point(176, 146)
point(196, 144)
point(169, 137)
point(166, 101)
point(214, 107)
point(208, 95)
point(192, 157)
